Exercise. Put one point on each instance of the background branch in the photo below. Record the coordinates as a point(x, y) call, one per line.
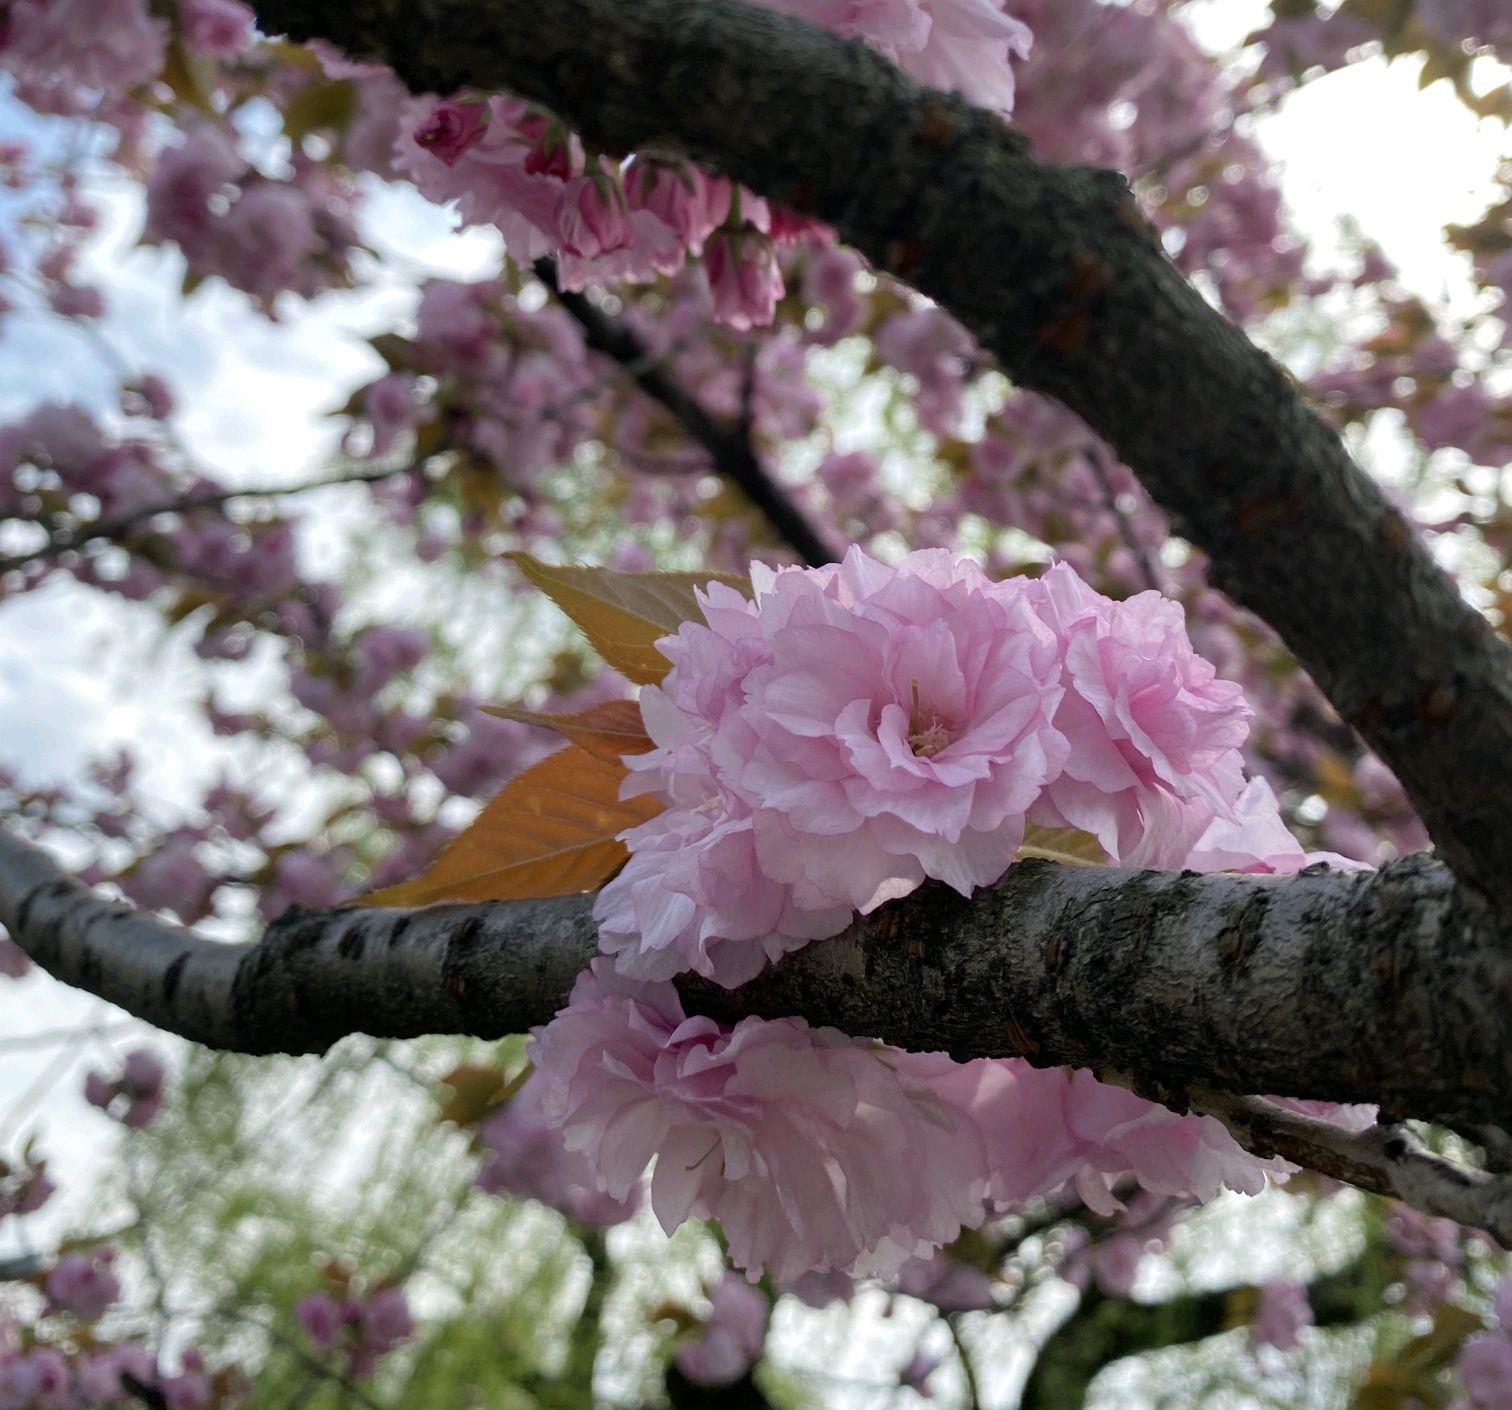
point(729, 446)
point(115, 529)
point(1105, 1329)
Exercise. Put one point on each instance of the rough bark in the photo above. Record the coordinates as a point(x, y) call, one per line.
point(1057, 273)
point(1384, 987)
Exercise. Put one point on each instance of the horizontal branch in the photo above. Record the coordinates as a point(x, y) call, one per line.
point(1057, 273)
point(1386, 1159)
point(1383, 987)
point(1378, 987)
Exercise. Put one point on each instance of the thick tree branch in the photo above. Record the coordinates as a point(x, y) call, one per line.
point(729, 447)
point(1057, 273)
point(1380, 987)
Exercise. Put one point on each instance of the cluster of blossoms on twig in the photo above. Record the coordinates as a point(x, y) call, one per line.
point(507, 164)
point(825, 748)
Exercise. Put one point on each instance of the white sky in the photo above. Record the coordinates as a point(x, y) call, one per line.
point(75, 670)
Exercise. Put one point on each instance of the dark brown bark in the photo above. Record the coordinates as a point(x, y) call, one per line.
point(1384, 987)
point(729, 447)
point(1056, 272)
point(1381, 987)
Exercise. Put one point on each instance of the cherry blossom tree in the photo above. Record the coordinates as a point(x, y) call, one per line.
point(1024, 774)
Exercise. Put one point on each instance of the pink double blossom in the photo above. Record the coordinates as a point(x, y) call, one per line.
point(966, 46)
point(801, 1142)
point(900, 730)
point(1153, 734)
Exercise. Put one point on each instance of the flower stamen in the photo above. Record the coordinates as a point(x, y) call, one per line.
point(926, 737)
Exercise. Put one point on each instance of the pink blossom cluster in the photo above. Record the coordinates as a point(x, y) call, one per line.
point(96, 56)
point(1433, 1259)
point(965, 46)
point(803, 1143)
point(24, 1186)
point(91, 1372)
point(853, 731)
point(731, 1339)
point(1282, 1313)
point(259, 234)
point(105, 45)
point(83, 1285)
point(824, 748)
point(523, 1157)
point(504, 163)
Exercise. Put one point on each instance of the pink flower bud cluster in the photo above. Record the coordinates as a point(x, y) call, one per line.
point(506, 164)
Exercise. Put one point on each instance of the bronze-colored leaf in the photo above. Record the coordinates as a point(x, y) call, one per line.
point(609, 731)
point(551, 831)
point(623, 615)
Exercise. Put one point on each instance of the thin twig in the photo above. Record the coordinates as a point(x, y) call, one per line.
point(730, 448)
point(118, 527)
